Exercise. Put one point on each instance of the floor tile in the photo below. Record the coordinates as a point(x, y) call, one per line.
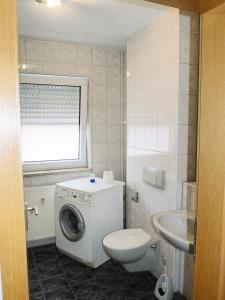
point(149, 295)
point(89, 292)
point(76, 281)
point(35, 287)
point(59, 294)
point(54, 283)
point(32, 273)
point(55, 276)
point(118, 294)
point(109, 279)
point(37, 297)
point(143, 281)
point(75, 270)
point(43, 254)
point(31, 263)
point(46, 270)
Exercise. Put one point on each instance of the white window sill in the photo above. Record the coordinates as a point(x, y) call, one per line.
point(47, 172)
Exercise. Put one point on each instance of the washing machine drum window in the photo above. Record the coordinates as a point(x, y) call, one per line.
point(71, 222)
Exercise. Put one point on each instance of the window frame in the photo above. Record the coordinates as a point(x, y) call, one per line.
point(82, 82)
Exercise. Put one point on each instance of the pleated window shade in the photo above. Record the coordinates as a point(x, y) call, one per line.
point(50, 104)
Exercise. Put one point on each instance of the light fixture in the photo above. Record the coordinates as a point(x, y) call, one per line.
point(23, 67)
point(53, 3)
point(50, 3)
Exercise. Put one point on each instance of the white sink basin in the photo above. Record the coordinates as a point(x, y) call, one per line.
point(177, 228)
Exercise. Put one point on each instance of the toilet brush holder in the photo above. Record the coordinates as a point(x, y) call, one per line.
point(164, 288)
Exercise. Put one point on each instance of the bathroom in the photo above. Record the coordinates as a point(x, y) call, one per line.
point(126, 130)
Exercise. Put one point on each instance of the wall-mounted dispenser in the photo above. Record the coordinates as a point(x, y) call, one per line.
point(154, 177)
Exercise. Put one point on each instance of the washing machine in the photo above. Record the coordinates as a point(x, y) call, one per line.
point(84, 213)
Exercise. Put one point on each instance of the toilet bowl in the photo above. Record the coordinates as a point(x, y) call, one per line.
point(133, 248)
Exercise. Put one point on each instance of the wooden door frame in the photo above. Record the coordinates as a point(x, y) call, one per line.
point(199, 6)
point(12, 228)
point(209, 271)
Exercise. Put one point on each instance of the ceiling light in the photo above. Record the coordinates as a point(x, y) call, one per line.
point(23, 67)
point(50, 3)
point(53, 3)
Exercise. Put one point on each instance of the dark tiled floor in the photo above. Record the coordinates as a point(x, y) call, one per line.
point(53, 275)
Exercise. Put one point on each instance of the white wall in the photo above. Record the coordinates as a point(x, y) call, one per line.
point(189, 201)
point(188, 98)
point(152, 119)
point(104, 67)
point(187, 132)
point(162, 100)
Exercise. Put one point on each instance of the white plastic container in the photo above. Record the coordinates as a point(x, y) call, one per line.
point(108, 177)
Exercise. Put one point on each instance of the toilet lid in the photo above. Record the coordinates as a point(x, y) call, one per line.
point(126, 239)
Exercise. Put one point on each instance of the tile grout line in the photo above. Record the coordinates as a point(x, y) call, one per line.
point(64, 272)
point(35, 263)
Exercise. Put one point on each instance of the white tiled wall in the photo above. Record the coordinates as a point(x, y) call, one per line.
point(189, 196)
point(162, 91)
point(104, 67)
point(152, 119)
point(187, 131)
point(189, 201)
point(188, 97)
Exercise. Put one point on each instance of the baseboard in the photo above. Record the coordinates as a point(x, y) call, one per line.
point(41, 242)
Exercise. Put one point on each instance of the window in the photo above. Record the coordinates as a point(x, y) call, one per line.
point(53, 121)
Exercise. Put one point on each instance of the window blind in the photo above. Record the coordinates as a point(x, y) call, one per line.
point(46, 103)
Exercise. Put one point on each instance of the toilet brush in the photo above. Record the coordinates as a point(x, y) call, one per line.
point(164, 284)
point(163, 289)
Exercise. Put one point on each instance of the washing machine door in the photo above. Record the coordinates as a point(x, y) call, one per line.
point(71, 222)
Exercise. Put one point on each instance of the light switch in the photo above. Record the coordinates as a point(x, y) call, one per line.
point(154, 177)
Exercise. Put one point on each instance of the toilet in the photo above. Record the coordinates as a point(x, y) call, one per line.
point(133, 248)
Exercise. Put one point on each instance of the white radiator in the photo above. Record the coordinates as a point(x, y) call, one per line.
point(41, 226)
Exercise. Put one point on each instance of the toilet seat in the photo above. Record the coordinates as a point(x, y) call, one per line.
point(126, 239)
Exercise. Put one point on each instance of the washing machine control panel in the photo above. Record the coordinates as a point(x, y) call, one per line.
point(74, 196)
point(82, 198)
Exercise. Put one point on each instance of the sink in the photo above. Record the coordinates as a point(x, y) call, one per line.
point(177, 228)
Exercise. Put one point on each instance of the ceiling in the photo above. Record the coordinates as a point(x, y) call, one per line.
point(106, 23)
